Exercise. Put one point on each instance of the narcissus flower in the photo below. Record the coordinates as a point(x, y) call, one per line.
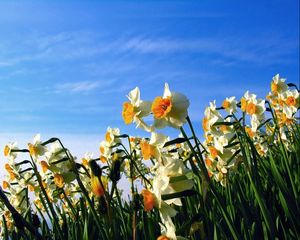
point(8, 150)
point(170, 109)
point(278, 84)
point(59, 180)
point(211, 116)
point(251, 105)
point(229, 104)
point(110, 136)
point(148, 151)
point(149, 200)
point(153, 148)
point(136, 109)
point(5, 184)
point(170, 178)
point(45, 166)
point(87, 157)
point(291, 102)
point(36, 148)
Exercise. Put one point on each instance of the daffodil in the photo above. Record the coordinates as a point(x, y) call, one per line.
point(278, 84)
point(229, 104)
point(36, 148)
point(9, 150)
point(110, 136)
point(45, 166)
point(148, 198)
point(87, 157)
point(170, 178)
point(170, 109)
point(136, 109)
point(291, 102)
point(153, 148)
point(53, 157)
point(211, 116)
point(251, 105)
point(168, 228)
point(59, 180)
point(110, 139)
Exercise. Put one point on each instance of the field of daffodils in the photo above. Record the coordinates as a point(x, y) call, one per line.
point(238, 179)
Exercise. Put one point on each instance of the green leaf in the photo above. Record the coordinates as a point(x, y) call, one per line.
point(85, 232)
point(69, 177)
point(179, 194)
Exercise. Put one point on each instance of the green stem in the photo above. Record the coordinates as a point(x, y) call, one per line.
point(122, 213)
point(200, 160)
point(18, 218)
point(203, 168)
point(132, 196)
point(69, 203)
point(53, 213)
point(85, 194)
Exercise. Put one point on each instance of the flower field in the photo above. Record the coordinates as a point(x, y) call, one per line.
point(238, 180)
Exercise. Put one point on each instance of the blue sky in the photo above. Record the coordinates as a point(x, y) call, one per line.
point(67, 66)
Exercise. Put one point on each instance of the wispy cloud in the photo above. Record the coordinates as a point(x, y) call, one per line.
point(261, 50)
point(81, 44)
point(82, 86)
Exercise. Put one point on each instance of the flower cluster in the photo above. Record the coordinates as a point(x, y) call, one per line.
point(222, 141)
point(161, 171)
point(168, 110)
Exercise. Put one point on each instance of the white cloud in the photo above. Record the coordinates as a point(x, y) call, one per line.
point(261, 50)
point(82, 44)
point(83, 86)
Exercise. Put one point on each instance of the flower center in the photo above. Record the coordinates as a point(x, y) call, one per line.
point(108, 137)
point(44, 166)
point(274, 87)
point(59, 180)
point(291, 101)
point(243, 104)
point(6, 150)
point(149, 200)
point(226, 104)
point(147, 150)
point(128, 112)
point(161, 107)
point(251, 108)
point(213, 151)
point(32, 149)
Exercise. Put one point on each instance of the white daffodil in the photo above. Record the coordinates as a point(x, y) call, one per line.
point(170, 178)
point(87, 157)
point(136, 109)
point(153, 148)
point(291, 102)
point(211, 116)
point(221, 141)
point(253, 106)
point(53, 157)
point(8, 151)
point(110, 136)
point(278, 84)
point(36, 148)
point(229, 104)
point(168, 228)
point(170, 109)
point(55, 153)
